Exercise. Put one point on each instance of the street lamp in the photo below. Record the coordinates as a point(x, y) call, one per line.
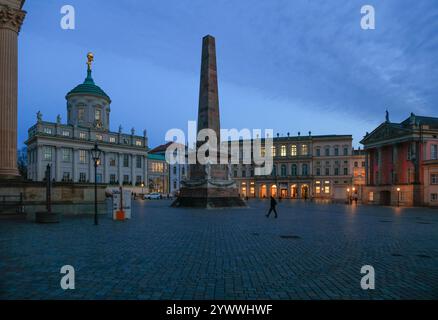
point(142, 186)
point(95, 154)
point(398, 197)
point(348, 195)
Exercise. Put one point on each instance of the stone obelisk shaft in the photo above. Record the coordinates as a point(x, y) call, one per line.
point(208, 110)
point(10, 22)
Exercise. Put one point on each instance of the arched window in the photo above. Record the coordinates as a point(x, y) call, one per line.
point(283, 151)
point(304, 169)
point(294, 169)
point(274, 170)
point(273, 151)
point(293, 150)
point(283, 170)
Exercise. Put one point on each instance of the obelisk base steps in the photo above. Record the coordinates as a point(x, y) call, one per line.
point(208, 197)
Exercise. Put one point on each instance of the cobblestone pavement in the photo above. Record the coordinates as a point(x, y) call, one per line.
point(312, 251)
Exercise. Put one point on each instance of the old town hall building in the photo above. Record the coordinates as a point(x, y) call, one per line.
point(66, 146)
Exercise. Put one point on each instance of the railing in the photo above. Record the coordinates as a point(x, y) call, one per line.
point(11, 203)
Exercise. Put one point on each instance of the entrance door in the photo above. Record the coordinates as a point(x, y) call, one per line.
point(293, 191)
point(385, 198)
point(305, 191)
point(283, 193)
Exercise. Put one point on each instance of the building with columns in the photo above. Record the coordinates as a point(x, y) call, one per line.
point(66, 146)
point(11, 19)
point(402, 162)
point(304, 167)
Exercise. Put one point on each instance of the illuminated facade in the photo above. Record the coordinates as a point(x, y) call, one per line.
point(402, 162)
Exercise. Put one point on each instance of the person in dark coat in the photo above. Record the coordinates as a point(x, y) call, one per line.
point(272, 208)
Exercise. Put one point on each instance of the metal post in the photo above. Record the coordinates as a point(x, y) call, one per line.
point(96, 222)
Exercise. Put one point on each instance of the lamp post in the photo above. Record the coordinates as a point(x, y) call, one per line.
point(398, 197)
point(348, 195)
point(353, 195)
point(95, 154)
point(142, 186)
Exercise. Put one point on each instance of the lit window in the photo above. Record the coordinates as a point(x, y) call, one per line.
point(98, 115)
point(283, 151)
point(99, 137)
point(318, 189)
point(138, 143)
point(82, 135)
point(83, 156)
point(47, 130)
point(371, 196)
point(66, 133)
point(293, 150)
point(273, 151)
point(304, 149)
point(326, 189)
point(112, 139)
point(434, 178)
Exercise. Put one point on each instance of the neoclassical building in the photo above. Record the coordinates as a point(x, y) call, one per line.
point(66, 146)
point(312, 166)
point(402, 162)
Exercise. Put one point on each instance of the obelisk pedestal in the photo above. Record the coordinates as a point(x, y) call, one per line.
point(11, 18)
point(209, 185)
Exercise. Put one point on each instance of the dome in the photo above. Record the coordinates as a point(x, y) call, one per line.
point(88, 88)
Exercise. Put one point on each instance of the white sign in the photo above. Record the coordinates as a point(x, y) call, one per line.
point(126, 204)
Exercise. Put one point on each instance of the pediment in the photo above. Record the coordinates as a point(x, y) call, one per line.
point(386, 131)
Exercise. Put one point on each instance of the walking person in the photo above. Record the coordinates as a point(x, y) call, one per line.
point(272, 208)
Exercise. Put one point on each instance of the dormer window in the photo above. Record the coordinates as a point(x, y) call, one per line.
point(98, 114)
point(81, 114)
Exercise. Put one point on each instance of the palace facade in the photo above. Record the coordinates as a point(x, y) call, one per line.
point(313, 166)
point(67, 146)
point(402, 162)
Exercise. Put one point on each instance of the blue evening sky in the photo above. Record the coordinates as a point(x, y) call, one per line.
point(287, 65)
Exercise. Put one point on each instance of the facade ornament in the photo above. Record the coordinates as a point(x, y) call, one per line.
point(133, 131)
point(229, 167)
point(11, 18)
point(386, 116)
point(39, 116)
point(58, 119)
point(90, 59)
point(120, 128)
point(144, 133)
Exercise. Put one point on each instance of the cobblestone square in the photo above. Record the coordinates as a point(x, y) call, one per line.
point(312, 251)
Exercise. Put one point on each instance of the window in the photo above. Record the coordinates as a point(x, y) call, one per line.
point(283, 151)
point(66, 133)
point(138, 143)
point(243, 173)
point(252, 172)
point(434, 197)
point(293, 150)
point(273, 151)
point(183, 170)
point(336, 171)
point(66, 155)
point(356, 164)
point(112, 139)
point(65, 176)
point(318, 171)
point(174, 184)
point(304, 149)
point(157, 167)
point(283, 170)
point(126, 160)
point(139, 159)
point(112, 161)
point(345, 151)
point(363, 163)
point(138, 180)
point(125, 179)
point(327, 171)
point(327, 151)
point(318, 187)
point(294, 169)
point(99, 178)
point(434, 152)
point(326, 189)
point(83, 156)
point(81, 114)
point(336, 152)
point(47, 153)
point(82, 177)
point(82, 135)
point(112, 178)
point(235, 173)
point(304, 169)
point(345, 171)
point(99, 137)
point(371, 196)
point(274, 170)
point(434, 178)
point(98, 115)
point(318, 152)
point(47, 130)
point(174, 170)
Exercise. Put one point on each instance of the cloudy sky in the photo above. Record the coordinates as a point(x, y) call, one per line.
point(287, 65)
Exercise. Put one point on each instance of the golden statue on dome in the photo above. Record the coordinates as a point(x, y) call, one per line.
point(90, 58)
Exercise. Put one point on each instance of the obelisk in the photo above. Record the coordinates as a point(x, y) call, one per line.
point(209, 185)
point(11, 18)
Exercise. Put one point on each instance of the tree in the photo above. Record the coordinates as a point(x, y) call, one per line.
point(22, 162)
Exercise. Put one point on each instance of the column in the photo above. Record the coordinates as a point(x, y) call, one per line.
point(10, 22)
point(58, 155)
point(133, 156)
point(74, 164)
point(119, 172)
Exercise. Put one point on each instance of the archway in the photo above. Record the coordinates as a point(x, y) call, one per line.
point(263, 191)
point(274, 190)
point(304, 191)
point(293, 191)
